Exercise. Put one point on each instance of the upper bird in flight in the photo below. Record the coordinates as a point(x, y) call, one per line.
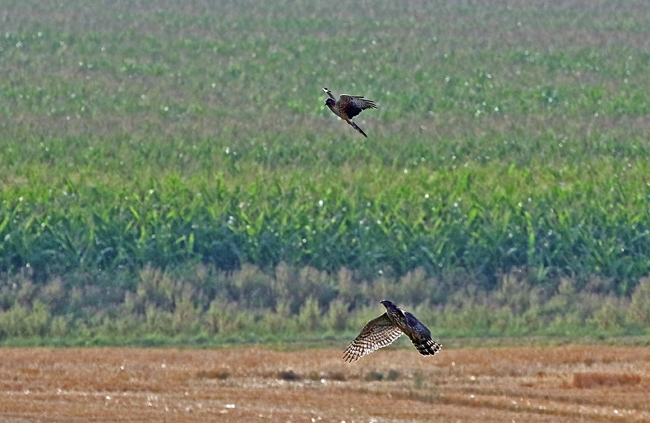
point(385, 329)
point(348, 106)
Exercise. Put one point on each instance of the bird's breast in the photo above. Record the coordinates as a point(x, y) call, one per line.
point(337, 112)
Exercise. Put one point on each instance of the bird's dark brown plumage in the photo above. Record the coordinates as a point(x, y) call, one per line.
point(348, 106)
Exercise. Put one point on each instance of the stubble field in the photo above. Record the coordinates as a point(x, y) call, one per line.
point(532, 384)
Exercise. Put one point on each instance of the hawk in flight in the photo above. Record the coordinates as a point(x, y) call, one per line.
point(348, 106)
point(385, 329)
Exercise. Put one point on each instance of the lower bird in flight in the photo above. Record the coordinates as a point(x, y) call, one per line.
point(385, 329)
point(348, 106)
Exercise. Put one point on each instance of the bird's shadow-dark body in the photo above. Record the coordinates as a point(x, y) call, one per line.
point(352, 110)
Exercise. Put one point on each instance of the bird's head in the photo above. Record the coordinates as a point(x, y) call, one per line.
point(389, 306)
point(330, 102)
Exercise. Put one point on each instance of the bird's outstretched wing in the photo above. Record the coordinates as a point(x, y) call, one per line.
point(377, 333)
point(421, 336)
point(352, 105)
point(329, 93)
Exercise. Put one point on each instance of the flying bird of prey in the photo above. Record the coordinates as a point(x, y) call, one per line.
point(385, 329)
point(348, 106)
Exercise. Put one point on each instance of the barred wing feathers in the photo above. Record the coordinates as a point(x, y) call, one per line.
point(377, 333)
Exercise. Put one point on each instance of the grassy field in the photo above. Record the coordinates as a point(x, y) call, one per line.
point(508, 134)
point(533, 384)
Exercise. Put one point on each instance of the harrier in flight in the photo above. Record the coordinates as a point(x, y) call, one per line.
point(348, 106)
point(385, 329)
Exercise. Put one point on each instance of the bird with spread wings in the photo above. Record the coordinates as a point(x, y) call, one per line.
point(385, 329)
point(348, 106)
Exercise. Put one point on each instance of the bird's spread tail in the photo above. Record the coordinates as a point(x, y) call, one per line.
point(428, 347)
point(354, 125)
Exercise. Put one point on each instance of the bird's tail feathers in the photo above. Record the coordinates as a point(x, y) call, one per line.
point(355, 126)
point(429, 347)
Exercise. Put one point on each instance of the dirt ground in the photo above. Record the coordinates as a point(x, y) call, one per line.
point(526, 384)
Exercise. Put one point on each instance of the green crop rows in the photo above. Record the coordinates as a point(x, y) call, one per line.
point(508, 135)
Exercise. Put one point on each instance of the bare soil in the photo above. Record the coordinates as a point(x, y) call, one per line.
point(531, 384)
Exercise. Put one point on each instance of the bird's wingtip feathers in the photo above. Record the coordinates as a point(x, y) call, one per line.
point(429, 348)
point(353, 353)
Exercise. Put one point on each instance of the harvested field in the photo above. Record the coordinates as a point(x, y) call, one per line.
point(532, 384)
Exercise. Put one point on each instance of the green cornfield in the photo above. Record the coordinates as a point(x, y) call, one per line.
point(165, 133)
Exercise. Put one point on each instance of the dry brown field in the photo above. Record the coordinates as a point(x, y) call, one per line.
point(523, 384)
